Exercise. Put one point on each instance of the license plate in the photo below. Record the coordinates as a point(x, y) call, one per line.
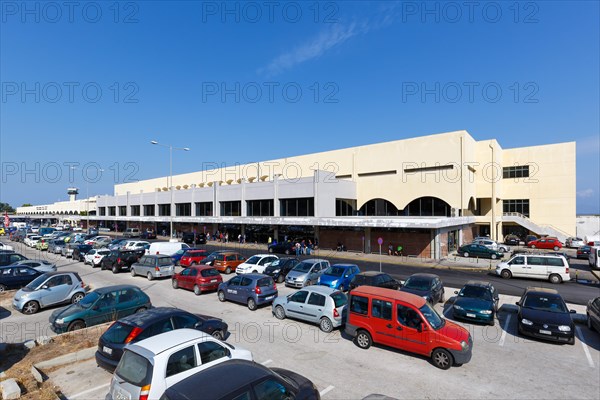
point(120, 395)
point(470, 315)
point(269, 297)
point(107, 350)
point(213, 280)
point(545, 332)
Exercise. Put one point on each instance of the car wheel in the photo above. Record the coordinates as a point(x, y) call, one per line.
point(2, 288)
point(221, 295)
point(197, 290)
point(251, 304)
point(227, 270)
point(141, 309)
point(555, 248)
point(280, 279)
point(555, 279)
point(494, 256)
point(132, 272)
point(279, 312)
point(589, 323)
point(175, 284)
point(571, 341)
point(31, 307)
point(193, 264)
point(218, 335)
point(149, 276)
point(363, 340)
point(442, 358)
point(102, 266)
point(533, 246)
point(77, 298)
point(308, 283)
point(76, 325)
point(443, 298)
point(466, 254)
point(326, 325)
point(115, 269)
point(506, 274)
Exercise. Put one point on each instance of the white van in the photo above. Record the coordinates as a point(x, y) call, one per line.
point(538, 266)
point(131, 233)
point(594, 257)
point(168, 248)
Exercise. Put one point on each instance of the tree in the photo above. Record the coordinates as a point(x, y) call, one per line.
point(26, 205)
point(5, 207)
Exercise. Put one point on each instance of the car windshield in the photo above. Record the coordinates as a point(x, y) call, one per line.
point(303, 267)
point(89, 300)
point(417, 283)
point(335, 271)
point(275, 263)
point(164, 261)
point(339, 299)
point(253, 260)
point(432, 317)
point(265, 282)
point(209, 272)
point(545, 303)
point(476, 292)
point(34, 284)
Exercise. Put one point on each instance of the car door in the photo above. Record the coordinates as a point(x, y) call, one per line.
point(245, 289)
point(385, 331)
point(315, 271)
point(182, 279)
point(536, 267)
point(315, 307)
point(295, 305)
point(436, 290)
point(103, 310)
point(127, 302)
point(191, 278)
point(23, 275)
point(518, 266)
point(233, 288)
point(180, 365)
point(409, 333)
point(56, 289)
point(594, 313)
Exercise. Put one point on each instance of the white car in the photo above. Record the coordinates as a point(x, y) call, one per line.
point(33, 240)
point(135, 245)
point(574, 242)
point(256, 264)
point(27, 239)
point(93, 240)
point(95, 256)
point(152, 365)
point(6, 247)
point(490, 244)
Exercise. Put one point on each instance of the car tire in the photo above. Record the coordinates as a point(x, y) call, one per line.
point(589, 323)
point(2, 288)
point(221, 295)
point(443, 298)
point(132, 272)
point(307, 283)
point(555, 279)
point(279, 312)
point(76, 298)
point(218, 335)
point(102, 266)
point(363, 339)
point(555, 248)
point(533, 246)
point(326, 325)
point(149, 276)
point(197, 290)
point(141, 309)
point(466, 254)
point(494, 256)
point(31, 307)
point(571, 341)
point(442, 359)
point(227, 270)
point(252, 304)
point(76, 325)
point(115, 269)
point(506, 274)
point(280, 279)
point(175, 284)
point(193, 264)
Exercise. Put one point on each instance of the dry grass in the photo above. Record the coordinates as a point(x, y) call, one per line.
point(17, 361)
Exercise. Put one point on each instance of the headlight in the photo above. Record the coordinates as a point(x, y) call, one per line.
point(60, 321)
point(564, 328)
point(333, 283)
point(486, 312)
point(464, 345)
point(456, 307)
point(318, 280)
point(276, 271)
point(526, 322)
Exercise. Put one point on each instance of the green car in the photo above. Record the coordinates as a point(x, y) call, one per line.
point(102, 305)
point(479, 250)
point(477, 301)
point(42, 244)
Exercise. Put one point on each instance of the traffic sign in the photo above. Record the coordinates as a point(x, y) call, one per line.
point(380, 241)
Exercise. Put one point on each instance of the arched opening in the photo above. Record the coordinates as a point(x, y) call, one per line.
point(428, 207)
point(378, 208)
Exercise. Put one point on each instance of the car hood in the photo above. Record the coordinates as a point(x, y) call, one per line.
point(68, 311)
point(329, 278)
point(473, 304)
point(416, 291)
point(244, 265)
point(548, 317)
point(454, 331)
point(297, 274)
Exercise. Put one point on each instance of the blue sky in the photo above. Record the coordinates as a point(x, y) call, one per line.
point(240, 82)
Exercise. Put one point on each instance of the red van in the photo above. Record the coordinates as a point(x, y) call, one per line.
point(407, 322)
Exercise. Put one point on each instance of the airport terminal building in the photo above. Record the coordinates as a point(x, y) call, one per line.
point(428, 194)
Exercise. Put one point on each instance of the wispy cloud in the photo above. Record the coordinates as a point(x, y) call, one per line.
point(585, 193)
point(588, 145)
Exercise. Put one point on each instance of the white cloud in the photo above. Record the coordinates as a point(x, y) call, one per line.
point(588, 145)
point(585, 193)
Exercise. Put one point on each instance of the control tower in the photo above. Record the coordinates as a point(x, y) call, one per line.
point(73, 192)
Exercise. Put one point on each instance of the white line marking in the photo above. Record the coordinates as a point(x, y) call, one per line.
point(267, 362)
point(326, 390)
point(89, 391)
point(503, 337)
point(585, 348)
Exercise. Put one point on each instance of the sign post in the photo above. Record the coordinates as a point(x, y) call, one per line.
point(380, 241)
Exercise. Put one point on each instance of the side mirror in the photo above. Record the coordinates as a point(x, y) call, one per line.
point(518, 303)
point(573, 311)
point(456, 292)
point(198, 325)
point(45, 287)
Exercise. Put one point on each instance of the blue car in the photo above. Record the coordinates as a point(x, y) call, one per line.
point(176, 257)
point(251, 289)
point(338, 276)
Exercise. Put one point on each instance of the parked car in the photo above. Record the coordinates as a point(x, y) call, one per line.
point(255, 264)
point(374, 278)
point(67, 250)
point(479, 250)
point(279, 268)
point(283, 248)
point(406, 322)
point(317, 304)
point(584, 252)
point(42, 266)
point(477, 301)
point(245, 380)
point(80, 251)
point(192, 257)
point(152, 365)
point(49, 289)
point(428, 286)
point(546, 243)
point(95, 239)
point(592, 313)
point(153, 266)
point(201, 278)
point(136, 245)
point(168, 248)
point(55, 246)
point(574, 242)
point(224, 261)
point(338, 276)
point(543, 314)
point(102, 243)
point(492, 245)
point(94, 256)
point(99, 306)
point(16, 277)
point(32, 240)
point(512, 240)
point(148, 234)
point(131, 233)
point(10, 258)
point(529, 239)
point(137, 327)
point(537, 266)
point(594, 257)
point(42, 244)
point(176, 257)
point(117, 260)
point(306, 273)
point(6, 247)
point(114, 244)
point(253, 290)
point(193, 239)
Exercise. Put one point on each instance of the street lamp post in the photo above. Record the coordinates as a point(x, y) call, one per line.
point(87, 198)
point(170, 183)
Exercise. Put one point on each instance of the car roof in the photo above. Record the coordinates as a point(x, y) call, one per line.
point(371, 273)
point(52, 273)
point(424, 275)
point(417, 301)
point(150, 316)
point(107, 289)
point(200, 267)
point(154, 255)
point(162, 342)
point(313, 260)
point(326, 290)
point(478, 283)
point(343, 265)
point(264, 255)
point(224, 252)
point(254, 276)
point(539, 290)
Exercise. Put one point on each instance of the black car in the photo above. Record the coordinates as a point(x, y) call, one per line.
point(10, 258)
point(279, 268)
point(141, 326)
point(374, 278)
point(242, 379)
point(192, 238)
point(15, 277)
point(584, 252)
point(119, 259)
point(148, 234)
point(80, 250)
point(283, 248)
point(543, 314)
point(428, 286)
point(593, 314)
point(512, 240)
point(530, 238)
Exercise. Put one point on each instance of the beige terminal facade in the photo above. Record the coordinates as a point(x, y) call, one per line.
point(427, 194)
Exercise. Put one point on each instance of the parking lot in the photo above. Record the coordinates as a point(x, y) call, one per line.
point(504, 365)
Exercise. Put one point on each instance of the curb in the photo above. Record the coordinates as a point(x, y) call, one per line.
point(80, 355)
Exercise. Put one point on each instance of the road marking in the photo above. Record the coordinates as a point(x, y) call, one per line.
point(326, 390)
point(503, 337)
point(269, 361)
point(89, 391)
point(585, 348)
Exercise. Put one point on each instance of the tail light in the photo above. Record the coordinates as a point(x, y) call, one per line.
point(132, 335)
point(257, 290)
point(144, 392)
point(118, 260)
point(274, 286)
point(567, 270)
point(336, 314)
point(156, 268)
point(82, 284)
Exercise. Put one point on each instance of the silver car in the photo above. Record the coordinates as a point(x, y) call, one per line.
point(49, 289)
point(42, 266)
point(317, 304)
point(154, 266)
point(306, 273)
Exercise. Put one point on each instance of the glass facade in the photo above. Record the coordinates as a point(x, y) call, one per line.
point(135, 211)
point(164, 210)
point(149, 210)
point(260, 208)
point(520, 206)
point(300, 207)
point(122, 210)
point(231, 208)
point(518, 171)
point(345, 207)
point(183, 209)
point(204, 209)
